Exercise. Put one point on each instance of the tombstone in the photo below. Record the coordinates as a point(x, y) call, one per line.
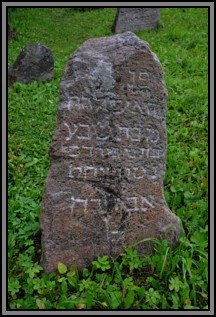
point(35, 62)
point(135, 19)
point(104, 189)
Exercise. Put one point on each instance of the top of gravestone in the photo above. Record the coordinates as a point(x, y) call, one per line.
point(116, 41)
point(108, 53)
point(123, 38)
point(116, 48)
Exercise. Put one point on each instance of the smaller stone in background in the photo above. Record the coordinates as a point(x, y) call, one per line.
point(134, 19)
point(35, 62)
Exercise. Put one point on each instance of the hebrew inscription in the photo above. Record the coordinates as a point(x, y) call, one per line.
point(104, 189)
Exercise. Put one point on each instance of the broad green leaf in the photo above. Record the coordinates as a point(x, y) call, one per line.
point(62, 268)
point(72, 281)
point(187, 194)
point(176, 302)
point(200, 238)
point(129, 299)
point(173, 189)
point(115, 299)
point(40, 304)
point(64, 287)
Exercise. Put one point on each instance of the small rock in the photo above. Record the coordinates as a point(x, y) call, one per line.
point(35, 62)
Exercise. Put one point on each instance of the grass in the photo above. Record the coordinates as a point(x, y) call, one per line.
point(166, 279)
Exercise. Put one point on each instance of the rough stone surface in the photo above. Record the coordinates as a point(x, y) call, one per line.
point(35, 62)
point(104, 189)
point(134, 19)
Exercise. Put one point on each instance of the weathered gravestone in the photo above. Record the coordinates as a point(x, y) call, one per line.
point(35, 62)
point(105, 186)
point(134, 19)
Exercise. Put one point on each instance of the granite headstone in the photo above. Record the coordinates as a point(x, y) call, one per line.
point(104, 189)
point(135, 19)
